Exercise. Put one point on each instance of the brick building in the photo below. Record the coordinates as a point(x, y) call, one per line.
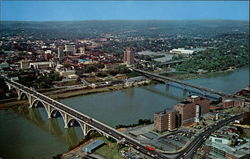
point(228, 103)
point(188, 108)
point(129, 56)
point(166, 120)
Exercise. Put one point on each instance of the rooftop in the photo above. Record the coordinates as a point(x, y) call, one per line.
point(93, 145)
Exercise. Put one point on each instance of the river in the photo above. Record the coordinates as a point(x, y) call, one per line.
point(27, 133)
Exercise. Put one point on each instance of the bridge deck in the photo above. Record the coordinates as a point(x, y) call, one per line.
point(105, 129)
point(164, 78)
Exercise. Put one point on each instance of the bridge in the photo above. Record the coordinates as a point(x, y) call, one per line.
point(169, 63)
point(72, 117)
point(164, 79)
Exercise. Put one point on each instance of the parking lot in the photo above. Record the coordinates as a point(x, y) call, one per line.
point(169, 141)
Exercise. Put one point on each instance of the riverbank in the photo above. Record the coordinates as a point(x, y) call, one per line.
point(11, 102)
point(59, 94)
point(63, 94)
point(187, 76)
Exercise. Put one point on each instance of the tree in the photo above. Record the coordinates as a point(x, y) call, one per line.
point(91, 68)
point(3, 88)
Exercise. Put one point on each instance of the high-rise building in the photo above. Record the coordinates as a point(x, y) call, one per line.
point(60, 52)
point(82, 50)
point(129, 56)
point(24, 64)
point(192, 108)
point(166, 120)
point(70, 49)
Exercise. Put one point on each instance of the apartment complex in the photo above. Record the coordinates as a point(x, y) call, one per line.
point(166, 120)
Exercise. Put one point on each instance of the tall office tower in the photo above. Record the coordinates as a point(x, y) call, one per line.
point(70, 49)
point(60, 52)
point(129, 56)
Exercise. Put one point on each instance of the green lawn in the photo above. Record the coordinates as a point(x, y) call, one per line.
point(109, 151)
point(235, 110)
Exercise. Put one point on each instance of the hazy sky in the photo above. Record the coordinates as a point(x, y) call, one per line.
point(102, 10)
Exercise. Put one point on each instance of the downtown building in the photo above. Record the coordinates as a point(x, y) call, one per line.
point(60, 52)
point(129, 56)
point(70, 49)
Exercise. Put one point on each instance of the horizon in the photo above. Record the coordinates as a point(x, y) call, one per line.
point(42, 11)
point(124, 20)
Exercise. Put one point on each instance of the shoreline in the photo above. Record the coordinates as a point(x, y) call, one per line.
point(81, 92)
point(65, 94)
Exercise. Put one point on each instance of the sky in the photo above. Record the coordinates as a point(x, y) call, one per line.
point(123, 10)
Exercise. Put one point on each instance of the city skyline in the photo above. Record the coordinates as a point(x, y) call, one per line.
point(123, 10)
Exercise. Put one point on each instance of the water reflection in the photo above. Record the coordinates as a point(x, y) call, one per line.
point(129, 92)
point(165, 93)
point(54, 126)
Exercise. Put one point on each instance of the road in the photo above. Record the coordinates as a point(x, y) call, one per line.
point(201, 138)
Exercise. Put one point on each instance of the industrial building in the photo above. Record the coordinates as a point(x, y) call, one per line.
point(93, 146)
point(181, 51)
point(228, 103)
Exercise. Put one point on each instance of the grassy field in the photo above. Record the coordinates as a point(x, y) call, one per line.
point(109, 151)
point(236, 110)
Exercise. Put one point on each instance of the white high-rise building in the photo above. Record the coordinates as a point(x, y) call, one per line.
point(82, 50)
point(60, 52)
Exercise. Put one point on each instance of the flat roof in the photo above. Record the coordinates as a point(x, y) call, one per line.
point(185, 102)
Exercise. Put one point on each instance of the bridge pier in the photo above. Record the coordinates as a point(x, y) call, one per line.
point(48, 109)
point(184, 92)
point(31, 99)
point(9, 86)
point(65, 119)
point(19, 94)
